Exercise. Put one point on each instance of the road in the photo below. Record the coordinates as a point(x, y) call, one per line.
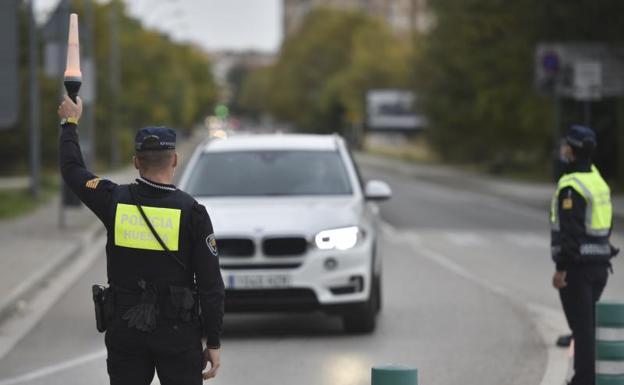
point(467, 300)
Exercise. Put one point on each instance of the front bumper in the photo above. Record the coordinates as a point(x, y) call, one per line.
point(328, 280)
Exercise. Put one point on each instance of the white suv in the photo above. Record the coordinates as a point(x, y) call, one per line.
point(296, 228)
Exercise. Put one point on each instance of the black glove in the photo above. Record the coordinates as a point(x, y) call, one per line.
point(614, 251)
point(142, 316)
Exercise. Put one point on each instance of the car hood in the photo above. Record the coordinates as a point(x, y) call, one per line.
point(294, 216)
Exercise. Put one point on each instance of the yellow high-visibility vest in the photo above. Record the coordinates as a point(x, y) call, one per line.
point(593, 188)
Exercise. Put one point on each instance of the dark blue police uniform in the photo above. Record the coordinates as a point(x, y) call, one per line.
point(164, 301)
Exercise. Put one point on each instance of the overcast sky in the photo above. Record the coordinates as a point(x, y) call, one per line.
point(214, 24)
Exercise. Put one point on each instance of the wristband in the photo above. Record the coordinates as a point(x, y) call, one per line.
point(71, 120)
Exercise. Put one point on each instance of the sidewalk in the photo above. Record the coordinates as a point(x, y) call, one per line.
point(34, 248)
point(14, 182)
point(534, 194)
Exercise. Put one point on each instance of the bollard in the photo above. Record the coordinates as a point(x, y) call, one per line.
point(609, 343)
point(394, 375)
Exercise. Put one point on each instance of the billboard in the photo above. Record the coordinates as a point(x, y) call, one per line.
point(393, 110)
point(9, 76)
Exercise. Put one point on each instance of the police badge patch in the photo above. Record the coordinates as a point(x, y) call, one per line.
point(211, 242)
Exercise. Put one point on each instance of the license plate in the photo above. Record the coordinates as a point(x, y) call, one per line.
point(258, 281)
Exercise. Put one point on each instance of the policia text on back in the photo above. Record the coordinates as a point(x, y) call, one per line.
point(165, 292)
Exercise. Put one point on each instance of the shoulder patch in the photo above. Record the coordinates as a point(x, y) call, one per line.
point(211, 242)
point(567, 204)
point(93, 183)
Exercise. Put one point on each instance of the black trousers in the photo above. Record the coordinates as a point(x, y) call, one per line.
point(585, 286)
point(173, 351)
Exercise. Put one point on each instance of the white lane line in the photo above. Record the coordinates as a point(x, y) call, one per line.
point(547, 321)
point(527, 240)
point(465, 239)
point(47, 370)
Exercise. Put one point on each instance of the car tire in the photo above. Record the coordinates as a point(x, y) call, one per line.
point(363, 320)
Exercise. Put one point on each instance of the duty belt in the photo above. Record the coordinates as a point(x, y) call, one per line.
point(141, 309)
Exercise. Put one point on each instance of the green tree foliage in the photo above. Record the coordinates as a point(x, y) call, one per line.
point(320, 79)
point(475, 72)
point(253, 97)
point(162, 83)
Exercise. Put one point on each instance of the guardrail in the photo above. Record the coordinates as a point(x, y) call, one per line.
point(609, 343)
point(394, 375)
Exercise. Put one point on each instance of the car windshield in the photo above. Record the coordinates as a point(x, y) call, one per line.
point(269, 173)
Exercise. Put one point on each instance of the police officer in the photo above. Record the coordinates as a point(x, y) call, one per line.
point(581, 220)
point(162, 290)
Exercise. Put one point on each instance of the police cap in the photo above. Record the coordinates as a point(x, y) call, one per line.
point(155, 138)
point(581, 137)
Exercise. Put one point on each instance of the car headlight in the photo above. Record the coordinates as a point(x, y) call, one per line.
point(342, 239)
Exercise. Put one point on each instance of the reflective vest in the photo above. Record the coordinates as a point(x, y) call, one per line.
point(594, 245)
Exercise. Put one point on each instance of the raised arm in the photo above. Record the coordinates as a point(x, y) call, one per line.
point(94, 192)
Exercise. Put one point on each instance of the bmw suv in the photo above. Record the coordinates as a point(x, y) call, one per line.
point(296, 226)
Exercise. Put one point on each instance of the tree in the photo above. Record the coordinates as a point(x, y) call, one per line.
point(476, 77)
point(475, 73)
point(320, 79)
point(164, 83)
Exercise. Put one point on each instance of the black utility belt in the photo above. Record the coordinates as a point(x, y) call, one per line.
point(141, 309)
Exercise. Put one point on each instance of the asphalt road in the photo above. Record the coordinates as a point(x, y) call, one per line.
point(466, 291)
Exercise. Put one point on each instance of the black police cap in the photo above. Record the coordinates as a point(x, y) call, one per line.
point(155, 138)
point(580, 136)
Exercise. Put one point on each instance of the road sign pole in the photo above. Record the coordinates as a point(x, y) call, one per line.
point(556, 135)
point(587, 113)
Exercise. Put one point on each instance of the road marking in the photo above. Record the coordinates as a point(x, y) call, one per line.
point(16, 327)
point(47, 370)
point(546, 320)
point(527, 240)
point(465, 239)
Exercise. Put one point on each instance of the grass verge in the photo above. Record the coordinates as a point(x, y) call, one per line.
point(16, 202)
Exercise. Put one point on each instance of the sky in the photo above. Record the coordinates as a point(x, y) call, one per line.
point(213, 24)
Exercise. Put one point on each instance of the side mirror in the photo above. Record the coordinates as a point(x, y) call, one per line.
point(377, 190)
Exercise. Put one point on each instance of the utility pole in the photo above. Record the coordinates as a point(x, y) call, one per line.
point(90, 51)
point(35, 131)
point(114, 75)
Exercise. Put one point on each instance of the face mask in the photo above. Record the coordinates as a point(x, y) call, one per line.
point(564, 160)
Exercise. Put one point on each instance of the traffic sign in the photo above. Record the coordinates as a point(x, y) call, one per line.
point(587, 80)
point(583, 71)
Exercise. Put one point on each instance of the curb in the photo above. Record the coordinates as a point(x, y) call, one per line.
point(37, 281)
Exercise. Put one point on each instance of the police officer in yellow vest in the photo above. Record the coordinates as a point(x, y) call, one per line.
point(166, 292)
point(581, 221)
